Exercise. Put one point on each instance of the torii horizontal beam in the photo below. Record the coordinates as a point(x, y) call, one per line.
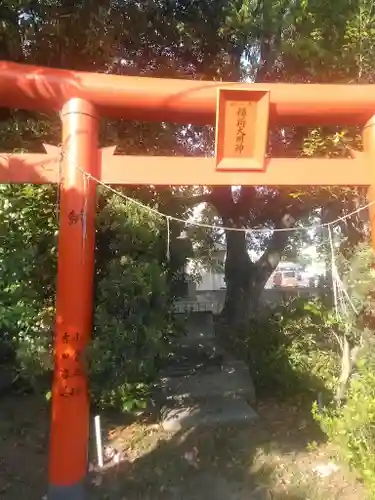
point(184, 171)
point(181, 101)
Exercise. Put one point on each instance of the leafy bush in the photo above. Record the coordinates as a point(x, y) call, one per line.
point(133, 321)
point(294, 351)
point(297, 352)
point(27, 273)
point(132, 304)
point(351, 425)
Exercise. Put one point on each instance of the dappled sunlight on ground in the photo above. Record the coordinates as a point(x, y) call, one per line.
point(282, 455)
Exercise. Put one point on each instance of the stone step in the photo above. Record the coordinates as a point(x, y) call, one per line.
point(231, 379)
point(188, 359)
point(213, 411)
point(198, 327)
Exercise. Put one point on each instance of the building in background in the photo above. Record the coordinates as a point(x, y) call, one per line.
point(211, 279)
point(292, 274)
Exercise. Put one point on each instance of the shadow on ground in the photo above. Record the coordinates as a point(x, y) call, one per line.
point(268, 458)
point(227, 463)
point(24, 429)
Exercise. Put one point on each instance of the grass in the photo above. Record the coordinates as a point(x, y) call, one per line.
point(277, 457)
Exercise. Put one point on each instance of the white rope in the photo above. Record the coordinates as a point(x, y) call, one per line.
point(341, 296)
point(333, 273)
point(225, 228)
point(168, 239)
point(345, 293)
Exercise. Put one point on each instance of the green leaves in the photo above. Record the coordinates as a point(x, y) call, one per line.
point(133, 306)
point(293, 352)
point(27, 273)
point(351, 426)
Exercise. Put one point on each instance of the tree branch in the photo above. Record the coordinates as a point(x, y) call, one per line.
point(271, 257)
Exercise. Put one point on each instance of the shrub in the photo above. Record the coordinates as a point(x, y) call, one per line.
point(27, 273)
point(296, 353)
point(133, 319)
point(132, 304)
point(351, 424)
point(293, 351)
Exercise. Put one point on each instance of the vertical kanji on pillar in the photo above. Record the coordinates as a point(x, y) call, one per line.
point(70, 401)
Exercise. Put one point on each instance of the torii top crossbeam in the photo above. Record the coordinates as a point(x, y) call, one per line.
point(177, 100)
point(189, 101)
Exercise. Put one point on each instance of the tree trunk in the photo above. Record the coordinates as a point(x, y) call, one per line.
point(245, 280)
point(238, 277)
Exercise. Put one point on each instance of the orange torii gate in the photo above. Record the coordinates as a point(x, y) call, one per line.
point(242, 113)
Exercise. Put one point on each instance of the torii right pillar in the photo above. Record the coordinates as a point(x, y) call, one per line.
point(368, 138)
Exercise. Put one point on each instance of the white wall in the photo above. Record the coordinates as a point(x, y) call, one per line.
point(211, 281)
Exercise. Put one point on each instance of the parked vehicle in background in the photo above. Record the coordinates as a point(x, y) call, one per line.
point(284, 279)
point(292, 275)
point(289, 275)
point(290, 278)
point(277, 279)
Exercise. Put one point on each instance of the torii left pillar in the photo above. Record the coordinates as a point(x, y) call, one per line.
point(70, 400)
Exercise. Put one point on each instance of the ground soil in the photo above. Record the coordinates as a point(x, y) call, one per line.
point(281, 455)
